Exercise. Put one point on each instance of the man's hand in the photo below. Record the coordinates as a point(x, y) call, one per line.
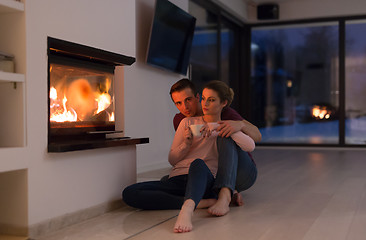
point(229, 127)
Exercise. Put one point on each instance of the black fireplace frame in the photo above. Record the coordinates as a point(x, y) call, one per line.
point(70, 53)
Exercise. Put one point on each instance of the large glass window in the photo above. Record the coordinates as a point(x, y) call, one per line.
point(216, 47)
point(355, 82)
point(204, 55)
point(229, 58)
point(294, 83)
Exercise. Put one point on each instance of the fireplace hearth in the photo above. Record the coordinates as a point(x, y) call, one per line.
point(82, 97)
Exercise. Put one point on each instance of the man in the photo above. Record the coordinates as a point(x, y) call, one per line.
point(187, 100)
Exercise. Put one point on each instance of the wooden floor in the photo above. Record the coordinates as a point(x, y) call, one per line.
point(299, 194)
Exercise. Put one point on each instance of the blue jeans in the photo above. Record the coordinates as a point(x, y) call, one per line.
point(236, 169)
point(171, 193)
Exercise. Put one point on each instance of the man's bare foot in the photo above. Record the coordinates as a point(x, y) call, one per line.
point(221, 207)
point(184, 220)
point(237, 199)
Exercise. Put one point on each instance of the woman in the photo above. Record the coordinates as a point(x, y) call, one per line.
point(201, 156)
point(192, 182)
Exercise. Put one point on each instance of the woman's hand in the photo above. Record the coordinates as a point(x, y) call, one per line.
point(188, 136)
point(206, 131)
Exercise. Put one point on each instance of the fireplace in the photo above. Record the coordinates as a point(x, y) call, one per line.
point(81, 95)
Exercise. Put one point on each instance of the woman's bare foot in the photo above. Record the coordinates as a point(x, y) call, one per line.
point(184, 220)
point(237, 199)
point(221, 207)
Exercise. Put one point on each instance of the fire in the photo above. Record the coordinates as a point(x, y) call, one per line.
point(53, 93)
point(103, 100)
point(62, 112)
point(58, 113)
point(321, 112)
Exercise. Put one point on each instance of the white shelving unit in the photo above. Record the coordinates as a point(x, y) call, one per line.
point(13, 165)
point(12, 77)
point(9, 6)
point(12, 85)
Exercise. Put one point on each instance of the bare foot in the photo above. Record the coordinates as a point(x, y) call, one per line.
point(221, 207)
point(206, 203)
point(237, 199)
point(184, 220)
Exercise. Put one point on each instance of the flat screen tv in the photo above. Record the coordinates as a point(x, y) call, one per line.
point(170, 37)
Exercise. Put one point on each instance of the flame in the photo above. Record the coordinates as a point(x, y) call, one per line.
point(321, 112)
point(62, 112)
point(58, 113)
point(53, 93)
point(65, 115)
point(103, 100)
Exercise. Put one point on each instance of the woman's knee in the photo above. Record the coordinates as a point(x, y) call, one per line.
point(199, 168)
point(225, 142)
point(197, 163)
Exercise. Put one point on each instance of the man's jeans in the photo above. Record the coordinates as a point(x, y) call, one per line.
point(236, 169)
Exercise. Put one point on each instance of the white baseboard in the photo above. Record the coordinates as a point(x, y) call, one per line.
point(69, 219)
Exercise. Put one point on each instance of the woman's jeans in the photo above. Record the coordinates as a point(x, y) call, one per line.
point(171, 193)
point(236, 170)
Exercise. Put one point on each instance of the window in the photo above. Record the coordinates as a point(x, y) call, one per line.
point(204, 55)
point(355, 83)
point(216, 47)
point(294, 90)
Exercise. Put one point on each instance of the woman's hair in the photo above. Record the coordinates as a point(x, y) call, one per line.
point(222, 89)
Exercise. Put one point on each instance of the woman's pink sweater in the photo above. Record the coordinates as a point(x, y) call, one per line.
point(182, 155)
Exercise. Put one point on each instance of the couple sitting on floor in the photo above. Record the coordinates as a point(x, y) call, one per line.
point(208, 170)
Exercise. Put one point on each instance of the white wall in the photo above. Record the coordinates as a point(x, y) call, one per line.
point(303, 9)
point(149, 111)
point(237, 8)
point(67, 182)
point(61, 183)
point(321, 8)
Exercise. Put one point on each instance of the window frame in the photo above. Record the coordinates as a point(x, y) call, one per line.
point(341, 71)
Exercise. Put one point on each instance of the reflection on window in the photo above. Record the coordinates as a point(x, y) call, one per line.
point(294, 83)
point(355, 83)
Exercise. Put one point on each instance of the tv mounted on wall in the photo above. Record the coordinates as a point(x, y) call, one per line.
point(170, 37)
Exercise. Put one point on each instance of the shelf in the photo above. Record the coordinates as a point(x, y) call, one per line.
point(11, 6)
point(94, 144)
point(10, 160)
point(11, 77)
point(9, 237)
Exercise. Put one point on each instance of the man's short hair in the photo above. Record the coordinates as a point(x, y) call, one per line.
point(183, 84)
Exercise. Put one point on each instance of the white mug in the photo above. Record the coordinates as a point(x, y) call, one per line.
point(195, 128)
